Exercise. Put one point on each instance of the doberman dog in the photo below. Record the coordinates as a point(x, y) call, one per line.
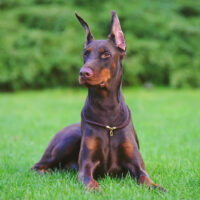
point(105, 141)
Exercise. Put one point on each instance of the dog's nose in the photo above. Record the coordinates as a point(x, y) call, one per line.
point(86, 72)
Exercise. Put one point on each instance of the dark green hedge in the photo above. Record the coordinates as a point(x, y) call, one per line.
point(41, 41)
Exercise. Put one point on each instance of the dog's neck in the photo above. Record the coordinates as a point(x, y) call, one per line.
point(104, 98)
point(107, 104)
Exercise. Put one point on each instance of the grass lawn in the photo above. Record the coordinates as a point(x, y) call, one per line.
point(167, 122)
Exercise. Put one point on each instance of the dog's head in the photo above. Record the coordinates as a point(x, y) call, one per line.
point(102, 58)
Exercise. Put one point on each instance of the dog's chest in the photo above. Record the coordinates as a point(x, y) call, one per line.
point(117, 152)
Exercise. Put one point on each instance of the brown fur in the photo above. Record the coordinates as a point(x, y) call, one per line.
point(91, 143)
point(128, 148)
point(87, 147)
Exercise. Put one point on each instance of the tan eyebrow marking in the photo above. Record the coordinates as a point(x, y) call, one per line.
point(114, 65)
point(89, 49)
point(102, 50)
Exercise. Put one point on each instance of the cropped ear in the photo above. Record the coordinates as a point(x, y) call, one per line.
point(116, 34)
point(89, 36)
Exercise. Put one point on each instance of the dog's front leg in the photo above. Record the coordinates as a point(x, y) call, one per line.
point(137, 170)
point(142, 177)
point(88, 162)
point(86, 175)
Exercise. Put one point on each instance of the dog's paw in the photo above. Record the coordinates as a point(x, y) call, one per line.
point(156, 186)
point(41, 171)
point(92, 185)
point(145, 180)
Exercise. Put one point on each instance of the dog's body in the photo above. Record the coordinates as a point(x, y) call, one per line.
point(91, 147)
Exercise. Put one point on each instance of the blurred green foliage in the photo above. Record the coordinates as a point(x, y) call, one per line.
point(41, 41)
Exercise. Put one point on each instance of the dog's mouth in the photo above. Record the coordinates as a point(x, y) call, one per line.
point(91, 83)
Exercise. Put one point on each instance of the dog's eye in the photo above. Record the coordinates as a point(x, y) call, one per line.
point(86, 53)
point(105, 55)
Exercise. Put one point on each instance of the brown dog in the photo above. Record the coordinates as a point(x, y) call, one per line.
point(105, 142)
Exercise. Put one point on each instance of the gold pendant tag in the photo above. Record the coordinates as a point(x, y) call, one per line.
point(111, 129)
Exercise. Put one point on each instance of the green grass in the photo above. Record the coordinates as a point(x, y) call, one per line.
point(167, 122)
